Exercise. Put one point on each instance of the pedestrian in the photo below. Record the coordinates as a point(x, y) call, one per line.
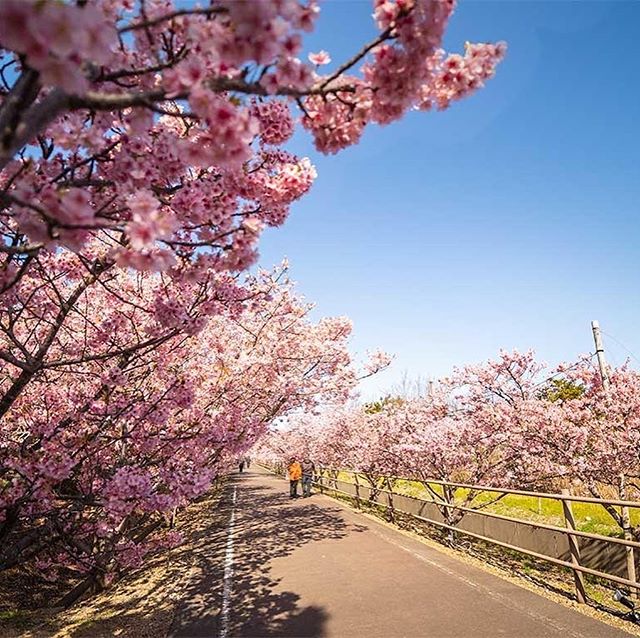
point(295, 473)
point(241, 465)
point(308, 470)
point(248, 460)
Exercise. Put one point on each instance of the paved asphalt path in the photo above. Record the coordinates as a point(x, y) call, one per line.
point(315, 568)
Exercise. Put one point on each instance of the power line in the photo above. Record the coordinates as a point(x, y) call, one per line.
point(633, 356)
point(577, 364)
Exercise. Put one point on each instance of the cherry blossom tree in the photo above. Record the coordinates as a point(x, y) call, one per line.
point(142, 153)
point(474, 428)
point(599, 443)
point(94, 457)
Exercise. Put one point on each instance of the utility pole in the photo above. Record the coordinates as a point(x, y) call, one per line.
point(430, 387)
point(622, 482)
point(602, 362)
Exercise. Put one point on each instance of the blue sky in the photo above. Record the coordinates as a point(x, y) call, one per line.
point(509, 221)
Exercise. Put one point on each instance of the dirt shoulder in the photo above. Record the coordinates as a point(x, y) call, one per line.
point(140, 605)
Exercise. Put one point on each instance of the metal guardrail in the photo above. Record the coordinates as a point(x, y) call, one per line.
point(572, 534)
point(502, 490)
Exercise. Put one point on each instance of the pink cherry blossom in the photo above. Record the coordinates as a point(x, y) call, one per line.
point(320, 58)
point(202, 115)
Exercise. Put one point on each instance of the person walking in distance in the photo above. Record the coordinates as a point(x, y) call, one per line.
point(308, 470)
point(241, 465)
point(295, 474)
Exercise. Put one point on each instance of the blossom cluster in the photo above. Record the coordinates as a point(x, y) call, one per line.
point(60, 41)
point(104, 101)
point(409, 72)
point(457, 76)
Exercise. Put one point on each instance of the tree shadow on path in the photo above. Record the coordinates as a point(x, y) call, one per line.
point(268, 526)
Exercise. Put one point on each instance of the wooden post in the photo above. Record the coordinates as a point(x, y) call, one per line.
point(574, 548)
point(355, 474)
point(628, 536)
point(390, 509)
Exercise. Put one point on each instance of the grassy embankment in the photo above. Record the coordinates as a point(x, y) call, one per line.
point(589, 517)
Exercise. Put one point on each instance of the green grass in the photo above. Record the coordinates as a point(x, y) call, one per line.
point(589, 517)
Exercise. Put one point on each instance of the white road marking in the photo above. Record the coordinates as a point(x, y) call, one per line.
point(227, 579)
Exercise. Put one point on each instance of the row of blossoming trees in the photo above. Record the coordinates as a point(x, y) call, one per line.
point(508, 423)
point(141, 155)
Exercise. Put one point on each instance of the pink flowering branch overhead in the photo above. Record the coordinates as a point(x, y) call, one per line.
point(181, 104)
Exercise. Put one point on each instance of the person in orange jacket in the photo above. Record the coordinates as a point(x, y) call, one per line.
point(294, 470)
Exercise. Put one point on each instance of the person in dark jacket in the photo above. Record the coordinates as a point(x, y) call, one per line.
point(308, 470)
